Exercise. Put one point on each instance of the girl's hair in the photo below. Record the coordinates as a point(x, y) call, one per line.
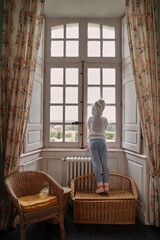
point(98, 107)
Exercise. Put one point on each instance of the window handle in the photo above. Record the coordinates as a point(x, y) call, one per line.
point(77, 123)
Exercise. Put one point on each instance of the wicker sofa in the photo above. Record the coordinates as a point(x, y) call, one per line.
point(118, 206)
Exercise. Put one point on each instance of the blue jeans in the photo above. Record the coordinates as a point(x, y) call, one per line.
point(99, 158)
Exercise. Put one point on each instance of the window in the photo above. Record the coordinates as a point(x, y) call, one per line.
point(65, 40)
point(101, 84)
point(64, 85)
point(101, 41)
point(82, 64)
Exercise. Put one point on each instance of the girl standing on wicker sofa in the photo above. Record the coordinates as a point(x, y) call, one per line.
point(98, 147)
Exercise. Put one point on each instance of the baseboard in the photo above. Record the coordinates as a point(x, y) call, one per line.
point(142, 215)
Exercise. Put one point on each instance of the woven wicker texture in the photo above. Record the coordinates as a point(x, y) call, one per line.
point(26, 183)
point(66, 192)
point(110, 195)
point(115, 207)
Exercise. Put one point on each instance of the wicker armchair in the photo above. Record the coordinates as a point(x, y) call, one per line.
point(28, 183)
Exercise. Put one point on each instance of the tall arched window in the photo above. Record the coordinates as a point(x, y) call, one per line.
point(82, 64)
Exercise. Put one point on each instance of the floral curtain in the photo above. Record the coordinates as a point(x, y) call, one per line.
point(143, 43)
point(22, 24)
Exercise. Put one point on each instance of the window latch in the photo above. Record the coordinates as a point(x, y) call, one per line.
point(77, 123)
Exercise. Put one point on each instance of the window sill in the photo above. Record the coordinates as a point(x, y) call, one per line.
point(77, 150)
point(62, 153)
point(57, 152)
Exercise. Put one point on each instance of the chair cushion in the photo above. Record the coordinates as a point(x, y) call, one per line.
point(37, 201)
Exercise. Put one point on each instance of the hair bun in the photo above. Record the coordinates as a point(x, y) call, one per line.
point(98, 107)
point(101, 103)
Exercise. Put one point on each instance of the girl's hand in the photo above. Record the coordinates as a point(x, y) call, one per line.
point(87, 149)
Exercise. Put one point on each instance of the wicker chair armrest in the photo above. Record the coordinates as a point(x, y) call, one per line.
point(132, 186)
point(73, 185)
point(86, 181)
point(73, 191)
point(13, 197)
point(54, 187)
point(133, 189)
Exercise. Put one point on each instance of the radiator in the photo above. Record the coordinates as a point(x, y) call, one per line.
point(77, 166)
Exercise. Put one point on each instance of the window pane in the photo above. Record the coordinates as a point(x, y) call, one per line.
point(71, 95)
point(109, 95)
point(93, 48)
point(56, 114)
point(71, 76)
point(108, 32)
point(72, 30)
point(108, 76)
point(56, 95)
point(56, 76)
point(110, 114)
point(93, 94)
point(57, 32)
point(108, 48)
point(71, 113)
point(71, 133)
point(110, 133)
point(72, 48)
point(94, 76)
point(57, 48)
point(56, 133)
point(93, 30)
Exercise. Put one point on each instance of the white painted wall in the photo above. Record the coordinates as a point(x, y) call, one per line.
point(137, 168)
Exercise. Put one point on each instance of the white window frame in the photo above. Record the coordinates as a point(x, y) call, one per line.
point(88, 61)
